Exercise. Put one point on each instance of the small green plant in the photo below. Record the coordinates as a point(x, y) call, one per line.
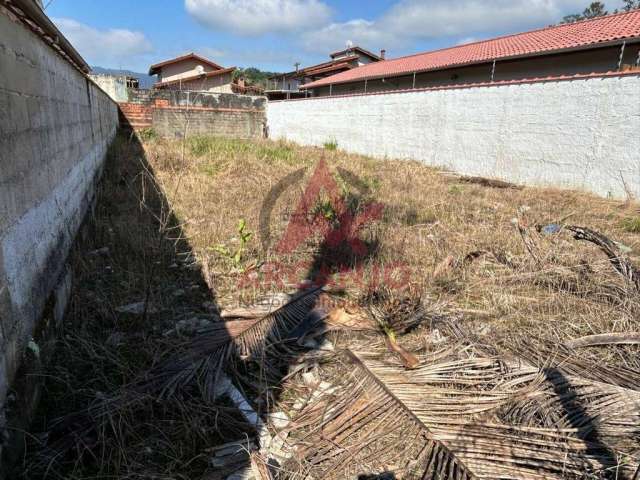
point(631, 224)
point(325, 208)
point(455, 189)
point(213, 168)
point(200, 145)
point(147, 134)
point(331, 145)
point(243, 238)
point(276, 152)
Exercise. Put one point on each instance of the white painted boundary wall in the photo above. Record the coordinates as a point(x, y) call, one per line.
point(581, 134)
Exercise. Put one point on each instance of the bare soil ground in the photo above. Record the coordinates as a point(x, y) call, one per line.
point(481, 292)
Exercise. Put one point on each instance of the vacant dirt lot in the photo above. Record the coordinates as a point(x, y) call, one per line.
point(548, 285)
point(428, 335)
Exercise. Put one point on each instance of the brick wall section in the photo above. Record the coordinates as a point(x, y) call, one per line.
point(55, 127)
point(136, 115)
point(176, 114)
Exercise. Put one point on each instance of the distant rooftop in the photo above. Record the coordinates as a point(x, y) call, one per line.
point(153, 69)
point(601, 31)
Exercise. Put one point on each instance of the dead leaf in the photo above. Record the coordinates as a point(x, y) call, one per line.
point(349, 317)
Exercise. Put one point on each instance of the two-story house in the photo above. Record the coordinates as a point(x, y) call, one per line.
point(192, 72)
point(287, 85)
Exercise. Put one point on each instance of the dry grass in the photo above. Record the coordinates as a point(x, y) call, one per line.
point(129, 252)
point(560, 289)
point(168, 213)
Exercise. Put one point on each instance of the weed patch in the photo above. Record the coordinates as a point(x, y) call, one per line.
point(331, 145)
point(631, 224)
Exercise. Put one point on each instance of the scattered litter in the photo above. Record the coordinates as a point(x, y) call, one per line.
point(263, 307)
point(232, 448)
point(115, 339)
point(326, 346)
point(310, 379)
point(311, 344)
point(551, 229)
point(435, 337)
point(189, 326)
point(100, 251)
point(136, 308)
point(279, 420)
point(33, 346)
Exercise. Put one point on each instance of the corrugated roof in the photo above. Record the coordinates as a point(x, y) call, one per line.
point(585, 34)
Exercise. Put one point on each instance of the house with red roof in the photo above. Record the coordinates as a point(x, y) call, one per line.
point(287, 85)
point(192, 72)
point(595, 46)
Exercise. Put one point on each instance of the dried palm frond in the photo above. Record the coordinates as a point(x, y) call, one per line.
point(399, 313)
point(360, 429)
point(574, 363)
point(466, 404)
point(395, 315)
point(623, 338)
point(611, 250)
point(597, 411)
point(211, 352)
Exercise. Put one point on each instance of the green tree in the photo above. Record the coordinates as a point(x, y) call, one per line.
point(253, 76)
point(595, 9)
point(631, 5)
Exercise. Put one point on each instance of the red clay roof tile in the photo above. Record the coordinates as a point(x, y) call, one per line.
point(546, 40)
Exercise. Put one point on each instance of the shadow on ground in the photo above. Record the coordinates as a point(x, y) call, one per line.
point(129, 394)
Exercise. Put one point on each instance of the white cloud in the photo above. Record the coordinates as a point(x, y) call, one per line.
point(256, 17)
point(409, 20)
point(248, 57)
point(359, 31)
point(437, 18)
point(466, 40)
point(211, 53)
point(107, 48)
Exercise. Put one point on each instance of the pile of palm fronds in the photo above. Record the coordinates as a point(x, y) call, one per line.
point(463, 414)
point(456, 410)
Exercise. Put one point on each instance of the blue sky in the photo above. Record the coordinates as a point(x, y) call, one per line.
point(274, 34)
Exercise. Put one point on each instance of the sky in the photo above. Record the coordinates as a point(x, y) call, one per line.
point(274, 34)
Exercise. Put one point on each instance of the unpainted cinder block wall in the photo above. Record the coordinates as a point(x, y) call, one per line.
point(55, 128)
point(580, 133)
point(173, 113)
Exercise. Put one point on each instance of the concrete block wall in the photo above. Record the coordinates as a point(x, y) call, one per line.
point(55, 128)
point(178, 122)
point(581, 133)
point(173, 113)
